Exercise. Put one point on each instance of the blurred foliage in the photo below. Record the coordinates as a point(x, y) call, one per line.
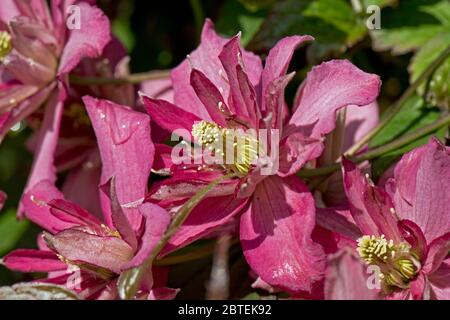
point(159, 34)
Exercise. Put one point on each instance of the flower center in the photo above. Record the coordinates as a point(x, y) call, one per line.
point(5, 44)
point(398, 265)
point(235, 149)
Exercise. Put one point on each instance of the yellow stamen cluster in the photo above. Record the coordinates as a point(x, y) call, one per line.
point(398, 265)
point(225, 142)
point(5, 44)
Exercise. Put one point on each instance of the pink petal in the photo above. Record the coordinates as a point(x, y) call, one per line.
point(25, 260)
point(422, 182)
point(277, 62)
point(156, 222)
point(36, 208)
point(43, 164)
point(438, 251)
point(295, 151)
point(208, 215)
point(337, 220)
point(440, 282)
point(89, 41)
point(72, 213)
point(169, 116)
point(106, 252)
point(126, 150)
point(329, 87)
point(8, 10)
point(210, 96)
point(370, 206)
point(205, 58)
point(346, 278)
point(276, 235)
point(85, 177)
point(229, 57)
point(163, 293)
point(119, 220)
point(413, 235)
point(158, 89)
point(186, 184)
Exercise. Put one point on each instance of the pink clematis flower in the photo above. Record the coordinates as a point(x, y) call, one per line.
point(87, 253)
point(38, 50)
point(406, 226)
point(221, 86)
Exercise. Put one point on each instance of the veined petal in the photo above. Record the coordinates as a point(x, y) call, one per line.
point(276, 235)
point(330, 86)
point(126, 150)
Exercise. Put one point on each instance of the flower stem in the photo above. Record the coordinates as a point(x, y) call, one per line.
point(135, 78)
point(392, 111)
point(130, 280)
point(377, 152)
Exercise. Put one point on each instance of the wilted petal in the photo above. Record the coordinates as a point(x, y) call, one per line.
point(26, 260)
point(88, 41)
point(330, 86)
point(78, 246)
point(276, 235)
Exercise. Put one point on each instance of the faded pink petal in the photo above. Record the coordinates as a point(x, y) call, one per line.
point(43, 164)
point(358, 122)
point(89, 41)
point(26, 260)
point(127, 153)
point(205, 217)
point(156, 222)
point(329, 87)
point(276, 235)
point(346, 278)
point(78, 246)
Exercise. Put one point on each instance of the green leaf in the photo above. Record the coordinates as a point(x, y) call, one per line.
point(332, 22)
point(235, 17)
point(11, 230)
point(36, 291)
point(438, 90)
point(414, 115)
point(410, 25)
